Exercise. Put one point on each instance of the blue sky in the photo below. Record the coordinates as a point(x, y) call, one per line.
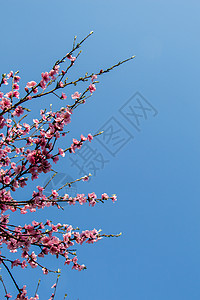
point(154, 171)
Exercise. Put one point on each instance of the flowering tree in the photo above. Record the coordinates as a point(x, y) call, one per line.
point(30, 149)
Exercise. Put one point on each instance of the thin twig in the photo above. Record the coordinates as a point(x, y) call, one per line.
point(11, 276)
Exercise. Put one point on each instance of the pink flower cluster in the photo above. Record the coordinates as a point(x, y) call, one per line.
point(77, 144)
point(47, 242)
point(28, 149)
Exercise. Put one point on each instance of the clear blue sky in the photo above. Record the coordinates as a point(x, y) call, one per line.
point(155, 174)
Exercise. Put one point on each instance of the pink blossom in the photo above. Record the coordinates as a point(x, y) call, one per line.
point(16, 94)
point(55, 159)
point(52, 73)
point(93, 77)
point(71, 58)
point(8, 295)
point(92, 88)
point(5, 103)
point(13, 165)
point(34, 222)
point(76, 95)
point(61, 151)
point(10, 74)
point(43, 84)
point(12, 94)
point(90, 137)
point(63, 96)
point(36, 122)
point(114, 198)
point(15, 86)
point(17, 79)
point(48, 223)
point(72, 148)
point(16, 263)
point(45, 76)
point(85, 178)
point(31, 84)
point(23, 265)
point(83, 138)
point(75, 141)
point(7, 180)
point(104, 196)
point(56, 69)
point(81, 267)
point(35, 91)
point(54, 194)
point(4, 81)
point(45, 271)
point(91, 198)
point(2, 122)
